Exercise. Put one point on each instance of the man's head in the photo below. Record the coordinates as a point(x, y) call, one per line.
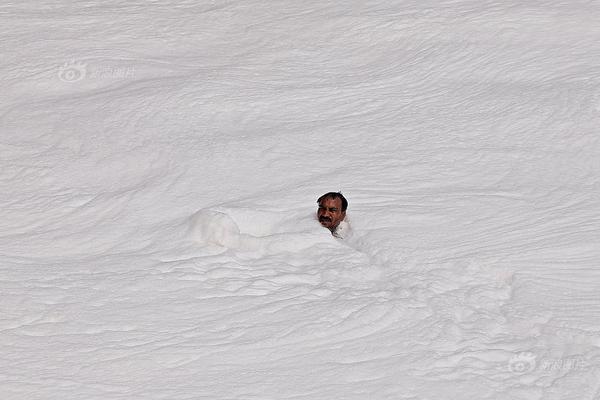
point(332, 209)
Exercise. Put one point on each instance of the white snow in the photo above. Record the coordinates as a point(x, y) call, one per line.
point(161, 162)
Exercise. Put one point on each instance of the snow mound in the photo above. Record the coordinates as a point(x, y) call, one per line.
point(254, 231)
point(214, 227)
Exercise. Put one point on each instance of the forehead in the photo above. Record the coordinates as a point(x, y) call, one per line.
point(331, 202)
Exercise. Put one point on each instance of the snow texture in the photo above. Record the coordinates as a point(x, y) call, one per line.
point(161, 162)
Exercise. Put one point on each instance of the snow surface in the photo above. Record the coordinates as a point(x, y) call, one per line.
point(160, 166)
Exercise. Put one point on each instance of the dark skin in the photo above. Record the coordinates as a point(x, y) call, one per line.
point(330, 213)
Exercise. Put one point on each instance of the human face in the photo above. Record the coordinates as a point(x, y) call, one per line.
point(330, 213)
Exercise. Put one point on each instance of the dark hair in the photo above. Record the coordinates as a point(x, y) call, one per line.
point(334, 195)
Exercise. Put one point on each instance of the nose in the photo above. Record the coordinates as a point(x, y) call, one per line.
point(324, 214)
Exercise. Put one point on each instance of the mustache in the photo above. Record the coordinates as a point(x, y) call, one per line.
point(325, 219)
